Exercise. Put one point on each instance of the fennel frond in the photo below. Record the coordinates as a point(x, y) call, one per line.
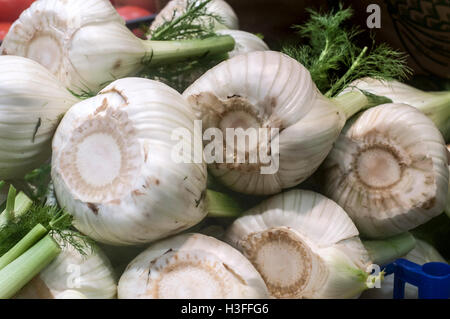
point(333, 57)
point(195, 23)
point(37, 183)
point(83, 95)
point(54, 219)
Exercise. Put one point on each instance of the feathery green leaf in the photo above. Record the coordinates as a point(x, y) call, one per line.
point(54, 219)
point(195, 22)
point(37, 183)
point(333, 57)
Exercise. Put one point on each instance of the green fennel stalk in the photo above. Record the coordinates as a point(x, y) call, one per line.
point(385, 251)
point(23, 245)
point(27, 215)
point(15, 207)
point(26, 241)
point(352, 102)
point(222, 205)
point(19, 272)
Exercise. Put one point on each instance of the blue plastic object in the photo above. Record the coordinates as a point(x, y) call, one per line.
point(431, 279)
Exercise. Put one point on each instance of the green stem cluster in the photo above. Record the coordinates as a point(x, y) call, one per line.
point(352, 102)
point(347, 74)
point(437, 109)
point(29, 255)
point(15, 206)
point(18, 273)
point(167, 52)
point(222, 205)
point(23, 245)
point(385, 251)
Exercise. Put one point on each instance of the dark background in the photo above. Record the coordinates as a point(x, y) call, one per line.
point(420, 28)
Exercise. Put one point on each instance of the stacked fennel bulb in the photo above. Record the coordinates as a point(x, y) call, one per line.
point(128, 123)
point(74, 276)
point(271, 91)
point(388, 170)
point(86, 44)
point(114, 164)
point(32, 102)
point(306, 246)
point(191, 266)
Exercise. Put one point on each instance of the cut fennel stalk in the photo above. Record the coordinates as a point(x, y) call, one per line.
point(26, 241)
point(21, 205)
point(19, 272)
point(95, 278)
point(435, 105)
point(23, 245)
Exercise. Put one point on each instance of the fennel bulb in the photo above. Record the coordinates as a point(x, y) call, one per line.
point(32, 102)
point(421, 254)
point(191, 266)
point(219, 8)
point(112, 166)
point(71, 294)
point(32, 236)
point(436, 105)
point(272, 92)
point(305, 246)
point(73, 276)
point(244, 42)
point(86, 44)
point(388, 170)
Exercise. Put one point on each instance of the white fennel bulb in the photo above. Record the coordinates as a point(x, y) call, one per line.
point(74, 276)
point(71, 294)
point(388, 170)
point(436, 105)
point(424, 253)
point(86, 44)
point(32, 102)
point(305, 246)
point(421, 254)
point(271, 93)
point(112, 165)
point(191, 266)
point(244, 42)
point(220, 8)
